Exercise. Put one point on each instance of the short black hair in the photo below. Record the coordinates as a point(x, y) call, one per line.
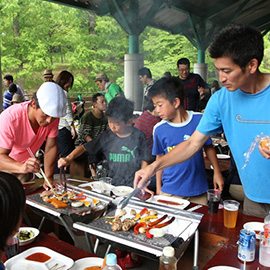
point(12, 88)
point(241, 43)
point(183, 61)
point(12, 205)
point(120, 109)
point(145, 71)
point(168, 89)
point(95, 97)
point(148, 104)
point(8, 77)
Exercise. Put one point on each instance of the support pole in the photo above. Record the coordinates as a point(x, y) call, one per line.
point(201, 56)
point(133, 44)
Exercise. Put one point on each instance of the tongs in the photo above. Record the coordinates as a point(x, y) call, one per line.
point(63, 178)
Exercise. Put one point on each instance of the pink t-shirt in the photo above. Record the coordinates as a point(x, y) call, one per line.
point(16, 132)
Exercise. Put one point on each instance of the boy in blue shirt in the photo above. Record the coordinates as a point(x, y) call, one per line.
point(188, 179)
point(8, 95)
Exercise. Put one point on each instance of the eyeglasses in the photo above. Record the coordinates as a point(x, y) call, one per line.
point(183, 69)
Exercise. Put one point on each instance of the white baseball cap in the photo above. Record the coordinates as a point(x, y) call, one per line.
point(52, 99)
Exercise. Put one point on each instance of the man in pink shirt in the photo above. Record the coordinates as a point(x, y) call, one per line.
point(26, 126)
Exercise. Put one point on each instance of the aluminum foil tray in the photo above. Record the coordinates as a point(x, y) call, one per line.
point(181, 230)
point(36, 201)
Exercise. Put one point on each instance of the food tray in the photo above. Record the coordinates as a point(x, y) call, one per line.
point(183, 227)
point(19, 262)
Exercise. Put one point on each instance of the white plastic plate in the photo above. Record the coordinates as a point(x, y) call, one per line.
point(122, 190)
point(19, 262)
point(223, 268)
point(30, 240)
point(256, 227)
point(98, 187)
point(87, 262)
point(179, 203)
point(223, 156)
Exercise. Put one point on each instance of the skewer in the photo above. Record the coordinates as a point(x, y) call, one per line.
point(41, 171)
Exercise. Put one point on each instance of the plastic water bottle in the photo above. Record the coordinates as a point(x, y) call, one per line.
point(111, 263)
point(267, 223)
point(167, 261)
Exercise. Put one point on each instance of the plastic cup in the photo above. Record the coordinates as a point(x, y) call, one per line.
point(107, 180)
point(230, 213)
point(12, 247)
point(213, 199)
point(264, 254)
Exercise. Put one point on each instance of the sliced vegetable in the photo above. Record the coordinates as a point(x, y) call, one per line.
point(151, 224)
point(147, 218)
point(148, 234)
point(78, 198)
point(138, 226)
point(157, 232)
point(137, 216)
point(144, 211)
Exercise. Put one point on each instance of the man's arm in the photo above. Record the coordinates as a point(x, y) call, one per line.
point(50, 155)
point(218, 178)
point(180, 153)
point(31, 165)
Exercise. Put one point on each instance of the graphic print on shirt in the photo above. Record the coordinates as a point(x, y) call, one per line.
point(117, 157)
point(185, 137)
point(241, 120)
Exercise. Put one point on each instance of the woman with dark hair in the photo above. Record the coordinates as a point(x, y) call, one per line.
point(67, 132)
point(12, 204)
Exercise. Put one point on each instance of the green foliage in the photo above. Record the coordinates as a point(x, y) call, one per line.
point(38, 35)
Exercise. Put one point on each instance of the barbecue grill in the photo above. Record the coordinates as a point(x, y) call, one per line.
point(178, 234)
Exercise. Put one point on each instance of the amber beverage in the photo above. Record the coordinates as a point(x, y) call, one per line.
point(230, 213)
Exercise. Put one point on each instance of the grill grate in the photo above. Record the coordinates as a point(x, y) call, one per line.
point(65, 211)
point(167, 239)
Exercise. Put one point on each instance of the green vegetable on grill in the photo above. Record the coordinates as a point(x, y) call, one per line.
point(25, 235)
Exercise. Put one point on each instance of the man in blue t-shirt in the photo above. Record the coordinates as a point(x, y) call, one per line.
point(241, 108)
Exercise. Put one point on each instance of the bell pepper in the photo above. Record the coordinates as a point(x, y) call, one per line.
point(79, 198)
point(148, 234)
point(138, 226)
point(137, 217)
point(147, 218)
point(144, 211)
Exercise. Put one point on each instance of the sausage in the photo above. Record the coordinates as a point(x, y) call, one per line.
point(151, 224)
point(169, 202)
point(161, 225)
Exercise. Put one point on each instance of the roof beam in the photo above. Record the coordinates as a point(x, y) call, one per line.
point(76, 4)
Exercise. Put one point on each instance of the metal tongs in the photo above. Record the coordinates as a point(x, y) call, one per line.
point(63, 178)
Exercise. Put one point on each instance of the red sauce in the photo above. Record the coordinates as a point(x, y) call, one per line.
point(38, 257)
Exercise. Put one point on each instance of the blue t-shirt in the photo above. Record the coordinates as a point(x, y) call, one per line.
point(7, 99)
point(188, 178)
point(242, 116)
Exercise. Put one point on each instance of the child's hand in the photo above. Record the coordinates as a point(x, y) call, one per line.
point(63, 162)
point(218, 181)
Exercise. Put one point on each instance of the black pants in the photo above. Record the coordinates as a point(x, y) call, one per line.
point(65, 145)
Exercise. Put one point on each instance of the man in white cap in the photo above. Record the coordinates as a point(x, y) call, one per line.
point(25, 126)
